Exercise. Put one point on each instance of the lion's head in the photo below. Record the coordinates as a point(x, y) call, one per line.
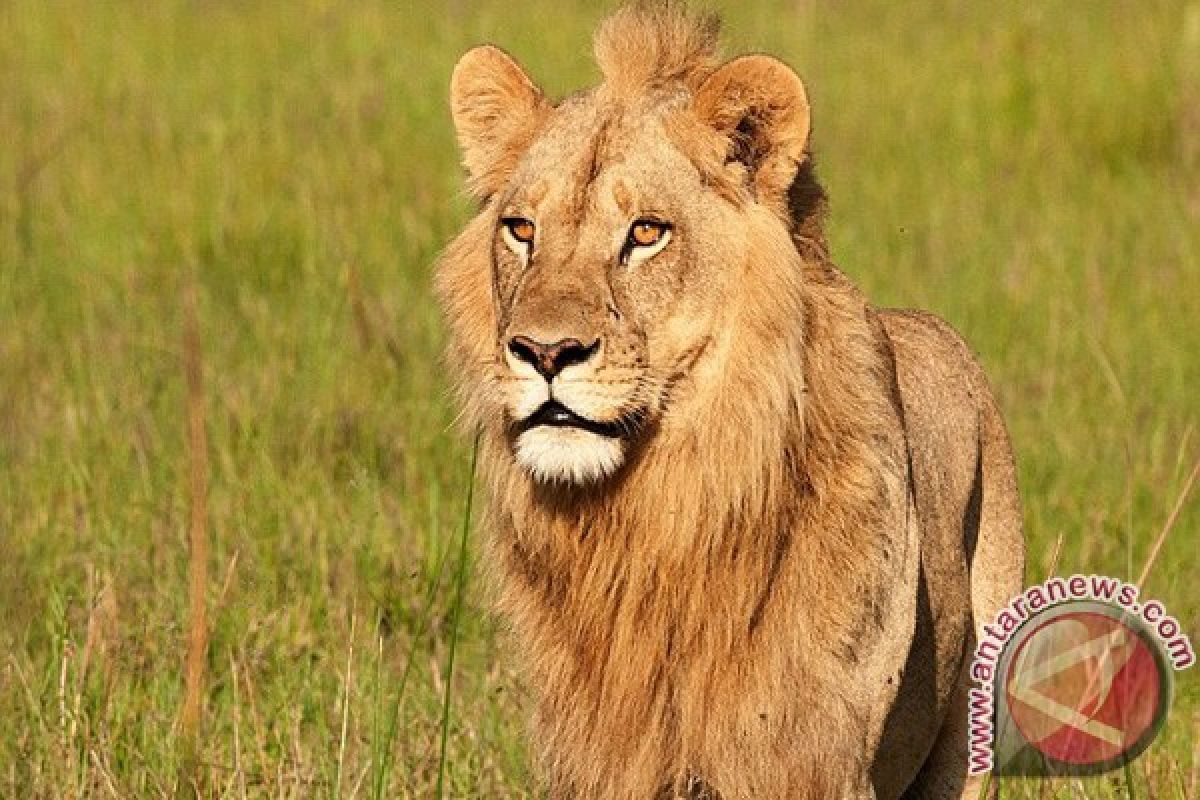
point(596, 302)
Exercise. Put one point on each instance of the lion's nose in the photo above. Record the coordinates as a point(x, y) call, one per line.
point(551, 359)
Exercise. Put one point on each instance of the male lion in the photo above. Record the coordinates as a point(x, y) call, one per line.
point(743, 524)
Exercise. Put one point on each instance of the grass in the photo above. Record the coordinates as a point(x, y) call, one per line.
point(1029, 171)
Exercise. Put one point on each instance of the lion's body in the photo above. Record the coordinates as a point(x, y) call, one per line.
point(766, 586)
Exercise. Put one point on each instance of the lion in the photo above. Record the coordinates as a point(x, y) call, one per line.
point(743, 526)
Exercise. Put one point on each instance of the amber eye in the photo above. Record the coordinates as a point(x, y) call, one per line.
point(519, 228)
point(646, 233)
point(646, 239)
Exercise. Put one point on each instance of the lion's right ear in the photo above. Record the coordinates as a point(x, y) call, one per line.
point(496, 109)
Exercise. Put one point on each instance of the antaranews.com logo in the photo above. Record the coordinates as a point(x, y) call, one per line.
point(1073, 677)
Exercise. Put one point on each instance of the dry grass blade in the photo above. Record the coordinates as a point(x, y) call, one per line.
point(239, 768)
point(348, 687)
point(1169, 524)
point(198, 539)
point(1054, 557)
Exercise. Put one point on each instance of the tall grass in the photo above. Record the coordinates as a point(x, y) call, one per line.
point(460, 583)
point(197, 623)
point(1028, 171)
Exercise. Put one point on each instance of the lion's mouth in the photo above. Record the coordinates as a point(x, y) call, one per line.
point(554, 414)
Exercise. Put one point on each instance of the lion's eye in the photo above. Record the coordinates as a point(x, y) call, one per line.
point(647, 238)
point(521, 229)
point(518, 234)
point(646, 233)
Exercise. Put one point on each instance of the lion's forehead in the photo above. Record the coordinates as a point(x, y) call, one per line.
point(591, 156)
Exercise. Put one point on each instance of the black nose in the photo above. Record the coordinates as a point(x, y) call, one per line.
point(551, 359)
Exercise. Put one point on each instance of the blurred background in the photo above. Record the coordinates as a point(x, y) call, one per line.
point(1029, 171)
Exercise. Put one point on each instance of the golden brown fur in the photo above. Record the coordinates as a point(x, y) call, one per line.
point(765, 585)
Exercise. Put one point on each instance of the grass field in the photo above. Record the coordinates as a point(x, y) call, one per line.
point(1031, 172)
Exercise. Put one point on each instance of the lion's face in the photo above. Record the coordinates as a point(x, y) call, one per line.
point(607, 281)
point(614, 253)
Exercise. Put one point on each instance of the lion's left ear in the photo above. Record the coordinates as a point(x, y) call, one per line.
point(496, 109)
point(761, 106)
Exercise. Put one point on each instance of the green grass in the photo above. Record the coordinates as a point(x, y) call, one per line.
point(1031, 172)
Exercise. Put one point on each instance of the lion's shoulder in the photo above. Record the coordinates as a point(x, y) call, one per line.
point(932, 358)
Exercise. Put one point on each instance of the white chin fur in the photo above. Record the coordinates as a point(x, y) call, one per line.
point(568, 455)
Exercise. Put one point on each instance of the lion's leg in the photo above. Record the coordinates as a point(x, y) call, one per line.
point(996, 560)
point(943, 776)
